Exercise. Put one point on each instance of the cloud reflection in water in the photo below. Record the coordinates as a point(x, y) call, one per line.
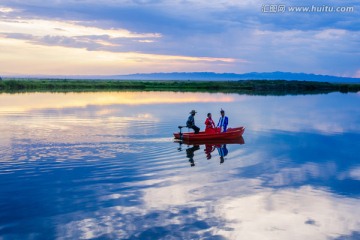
point(105, 166)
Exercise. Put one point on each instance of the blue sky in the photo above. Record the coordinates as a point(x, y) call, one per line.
point(87, 37)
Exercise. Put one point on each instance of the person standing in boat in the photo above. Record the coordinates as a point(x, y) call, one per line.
point(209, 124)
point(190, 123)
point(223, 121)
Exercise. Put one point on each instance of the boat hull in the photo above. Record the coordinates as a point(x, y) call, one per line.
point(239, 140)
point(231, 133)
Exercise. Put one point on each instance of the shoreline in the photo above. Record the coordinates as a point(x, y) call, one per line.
point(251, 87)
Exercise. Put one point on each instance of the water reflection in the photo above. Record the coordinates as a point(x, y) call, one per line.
point(210, 146)
point(30, 101)
point(190, 154)
point(105, 167)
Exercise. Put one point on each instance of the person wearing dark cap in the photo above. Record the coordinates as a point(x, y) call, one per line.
point(190, 123)
point(223, 121)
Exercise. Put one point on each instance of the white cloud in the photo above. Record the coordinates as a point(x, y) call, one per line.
point(6, 10)
point(42, 27)
point(298, 175)
point(249, 211)
point(329, 34)
point(290, 214)
point(352, 174)
point(355, 173)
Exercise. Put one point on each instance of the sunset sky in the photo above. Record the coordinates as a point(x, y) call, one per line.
point(107, 37)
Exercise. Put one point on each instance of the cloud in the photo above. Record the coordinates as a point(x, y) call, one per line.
point(209, 200)
point(6, 10)
point(65, 28)
point(353, 174)
point(297, 175)
point(245, 212)
point(228, 29)
point(278, 214)
point(40, 59)
point(317, 119)
point(357, 74)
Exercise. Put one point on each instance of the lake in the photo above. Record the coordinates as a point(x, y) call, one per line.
point(105, 166)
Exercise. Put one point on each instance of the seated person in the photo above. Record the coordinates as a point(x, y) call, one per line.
point(190, 123)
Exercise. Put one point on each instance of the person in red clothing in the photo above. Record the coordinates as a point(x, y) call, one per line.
point(209, 124)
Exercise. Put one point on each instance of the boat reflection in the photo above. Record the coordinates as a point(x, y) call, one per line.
point(210, 146)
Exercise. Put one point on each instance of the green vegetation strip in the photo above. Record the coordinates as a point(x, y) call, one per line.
point(255, 87)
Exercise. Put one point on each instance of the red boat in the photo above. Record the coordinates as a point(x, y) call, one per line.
point(231, 133)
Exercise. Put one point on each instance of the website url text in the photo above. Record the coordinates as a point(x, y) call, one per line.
point(279, 8)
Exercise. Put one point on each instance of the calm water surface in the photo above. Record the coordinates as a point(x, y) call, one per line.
point(104, 166)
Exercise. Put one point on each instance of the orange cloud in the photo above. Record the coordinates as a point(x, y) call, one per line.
point(22, 57)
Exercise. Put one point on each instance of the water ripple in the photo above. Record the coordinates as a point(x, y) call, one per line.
point(113, 172)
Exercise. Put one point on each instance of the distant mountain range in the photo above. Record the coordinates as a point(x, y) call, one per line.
point(232, 76)
point(211, 76)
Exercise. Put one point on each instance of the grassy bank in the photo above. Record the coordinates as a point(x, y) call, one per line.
point(256, 87)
